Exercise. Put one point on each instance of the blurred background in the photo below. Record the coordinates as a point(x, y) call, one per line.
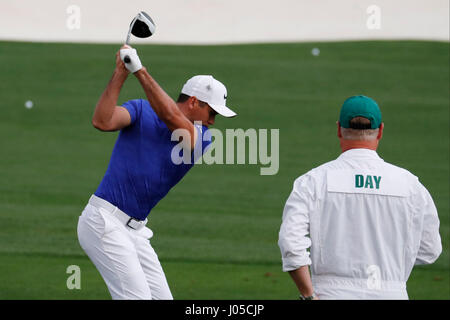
point(287, 65)
point(225, 22)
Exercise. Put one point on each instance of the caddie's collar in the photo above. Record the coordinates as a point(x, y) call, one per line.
point(360, 153)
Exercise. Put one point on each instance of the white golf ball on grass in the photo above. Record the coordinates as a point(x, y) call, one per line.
point(29, 104)
point(315, 52)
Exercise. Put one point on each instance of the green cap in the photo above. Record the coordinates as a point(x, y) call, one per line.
point(360, 106)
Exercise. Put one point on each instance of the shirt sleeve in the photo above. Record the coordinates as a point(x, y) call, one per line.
point(430, 246)
point(134, 108)
point(294, 232)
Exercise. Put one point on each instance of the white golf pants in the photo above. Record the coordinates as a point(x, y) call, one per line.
point(123, 256)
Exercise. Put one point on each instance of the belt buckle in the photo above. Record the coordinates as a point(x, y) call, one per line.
point(133, 220)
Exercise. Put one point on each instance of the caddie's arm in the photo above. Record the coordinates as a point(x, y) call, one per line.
point(107, 115)
point(303, 281)
point(430, 243)
point(164, 106)
point(294, 237)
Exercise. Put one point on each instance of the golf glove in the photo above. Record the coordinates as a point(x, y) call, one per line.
point(132, 63)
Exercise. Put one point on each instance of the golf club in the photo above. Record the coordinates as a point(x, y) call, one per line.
point(142, 26)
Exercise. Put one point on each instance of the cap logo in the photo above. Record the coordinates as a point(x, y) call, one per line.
point(208, 87)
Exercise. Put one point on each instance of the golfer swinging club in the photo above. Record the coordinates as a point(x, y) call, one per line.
point(112, 228)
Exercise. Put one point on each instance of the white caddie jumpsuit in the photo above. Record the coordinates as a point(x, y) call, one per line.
point(365, 222)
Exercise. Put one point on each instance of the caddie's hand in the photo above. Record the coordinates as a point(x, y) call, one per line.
point(130, 58)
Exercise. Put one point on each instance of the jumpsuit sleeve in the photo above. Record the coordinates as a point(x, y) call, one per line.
point(294, 232)
point(430, 243)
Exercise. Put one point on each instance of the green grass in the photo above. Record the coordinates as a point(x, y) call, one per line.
point(216, 232)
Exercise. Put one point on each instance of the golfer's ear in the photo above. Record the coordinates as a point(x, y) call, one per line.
point(192, 101)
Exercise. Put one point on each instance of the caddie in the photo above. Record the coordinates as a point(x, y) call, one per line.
point(112, 229)
point(360, 223)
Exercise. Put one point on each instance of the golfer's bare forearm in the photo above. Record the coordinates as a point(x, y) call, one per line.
point(302, 280)
point(104, 109)
point(162, 104)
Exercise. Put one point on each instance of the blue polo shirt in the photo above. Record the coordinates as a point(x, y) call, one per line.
point(141, 171)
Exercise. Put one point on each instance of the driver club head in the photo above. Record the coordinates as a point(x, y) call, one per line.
point(142, 26)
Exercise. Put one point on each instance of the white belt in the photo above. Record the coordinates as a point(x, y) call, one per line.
point(116, 212)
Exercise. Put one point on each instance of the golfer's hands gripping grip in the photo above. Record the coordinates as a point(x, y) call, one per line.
point(131, 59)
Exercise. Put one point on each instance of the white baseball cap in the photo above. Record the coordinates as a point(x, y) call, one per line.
point(211, 91)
